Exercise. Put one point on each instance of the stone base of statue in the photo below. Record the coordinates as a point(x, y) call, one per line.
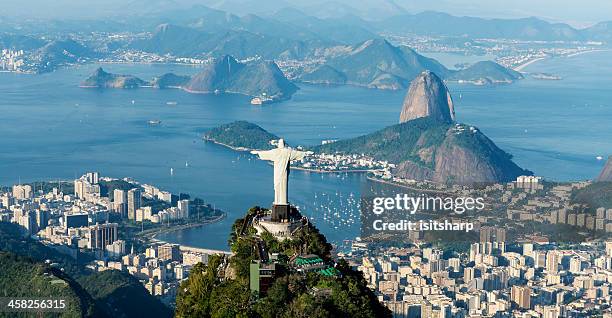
point(280, 212)
point(282, 222)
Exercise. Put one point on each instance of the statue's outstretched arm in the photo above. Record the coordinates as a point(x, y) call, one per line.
point(265, 154)
point(299, 155)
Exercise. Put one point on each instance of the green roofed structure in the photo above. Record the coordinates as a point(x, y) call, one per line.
point(309, 263)
point(329, 271)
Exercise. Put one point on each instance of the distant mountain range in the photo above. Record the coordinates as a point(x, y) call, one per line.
point(19, 42)
point(288, 33)
point(261, 79)
point(437, 23)
point(379, 64)
point(347, 27)
point(190, 42)
point(60, 52)
point(285, 23)
point(336, 17)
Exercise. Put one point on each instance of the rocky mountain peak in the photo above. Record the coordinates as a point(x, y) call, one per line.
point(428, 96)
point(606, 172)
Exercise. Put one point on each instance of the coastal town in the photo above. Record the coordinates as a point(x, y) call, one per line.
point(322, 162)
point(112, 223)
point(491, 279)
point(506, 272)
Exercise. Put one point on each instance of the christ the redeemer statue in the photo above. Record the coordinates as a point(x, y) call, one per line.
point(281, 156)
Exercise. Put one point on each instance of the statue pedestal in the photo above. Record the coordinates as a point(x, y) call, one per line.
point(281, 223)
point(280, 212)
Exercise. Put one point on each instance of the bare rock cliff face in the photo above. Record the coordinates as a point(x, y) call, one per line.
point(428, 96)
point(474, 159)
point(459, 165)
point(606, 173)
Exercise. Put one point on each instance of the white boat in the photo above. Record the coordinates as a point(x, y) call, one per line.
point(171, 103)
point(256, 101)
point(599, 158)
point(154, 122)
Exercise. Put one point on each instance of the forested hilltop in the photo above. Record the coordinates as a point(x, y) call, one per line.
point(31, 269)
point(306, 282)
point(241, 135)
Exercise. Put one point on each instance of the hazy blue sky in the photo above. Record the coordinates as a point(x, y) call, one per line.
point(572, 11)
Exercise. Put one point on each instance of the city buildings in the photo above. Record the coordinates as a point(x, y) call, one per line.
point(134, 201)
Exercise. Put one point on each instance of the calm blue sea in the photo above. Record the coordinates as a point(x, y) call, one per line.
point(50, 128)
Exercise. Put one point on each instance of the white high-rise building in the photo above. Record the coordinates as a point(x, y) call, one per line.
point(134, 201)
point(183, 206)
point(575, 265)
point(22, 192)
point(552, 261)
point(93, 177)
point(527, 249)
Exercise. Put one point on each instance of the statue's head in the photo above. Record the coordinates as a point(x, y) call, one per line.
point(281, 143)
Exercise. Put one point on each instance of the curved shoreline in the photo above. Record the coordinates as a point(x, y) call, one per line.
point(521, 67)
point(151, 236)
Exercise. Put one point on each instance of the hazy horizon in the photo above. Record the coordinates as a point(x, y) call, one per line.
point(581, 14)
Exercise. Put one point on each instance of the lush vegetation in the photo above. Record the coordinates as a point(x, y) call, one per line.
point(241, 134)
point(595, 195)
point(22, 277)
point(221, 288)
point(120, 294)
point(116, 294)
point(395, 143)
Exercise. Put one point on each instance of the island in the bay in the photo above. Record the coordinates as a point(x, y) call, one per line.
point(262, 80)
